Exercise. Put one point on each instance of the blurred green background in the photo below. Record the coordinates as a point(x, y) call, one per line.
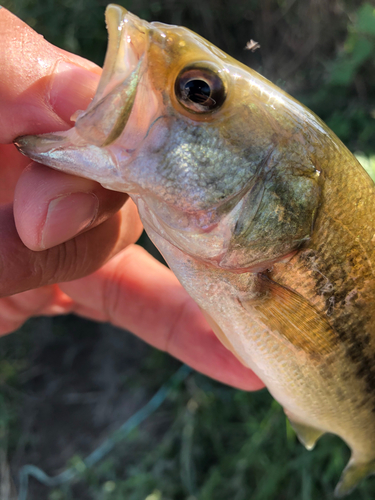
point(66, 383)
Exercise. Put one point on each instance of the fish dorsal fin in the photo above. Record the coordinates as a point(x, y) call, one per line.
point(306, 434)
point(353, 474)
point(294, 318)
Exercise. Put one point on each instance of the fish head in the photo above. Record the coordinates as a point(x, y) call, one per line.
point(215, 156)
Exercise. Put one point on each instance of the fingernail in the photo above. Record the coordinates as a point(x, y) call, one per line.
point(72, 88)
point(67, 216)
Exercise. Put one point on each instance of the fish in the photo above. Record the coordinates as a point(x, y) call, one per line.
point(265, 217)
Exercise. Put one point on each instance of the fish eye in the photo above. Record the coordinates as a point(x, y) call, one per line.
point(200, 89)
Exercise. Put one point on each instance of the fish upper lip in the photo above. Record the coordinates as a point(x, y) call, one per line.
point(118, 85)
point(127, 43)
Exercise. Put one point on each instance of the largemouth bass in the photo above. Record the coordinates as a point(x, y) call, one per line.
point(262, 213)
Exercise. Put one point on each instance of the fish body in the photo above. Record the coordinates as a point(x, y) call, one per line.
point(262, 213)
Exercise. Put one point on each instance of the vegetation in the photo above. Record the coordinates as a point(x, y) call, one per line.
point(208, 441)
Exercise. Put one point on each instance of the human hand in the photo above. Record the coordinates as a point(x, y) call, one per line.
point(71, 231)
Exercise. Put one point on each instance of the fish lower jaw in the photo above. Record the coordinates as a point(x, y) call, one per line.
point(67, 152)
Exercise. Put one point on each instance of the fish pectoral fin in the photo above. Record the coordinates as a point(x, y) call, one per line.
point(294, 318)
point(306, 434)
point(353, 474)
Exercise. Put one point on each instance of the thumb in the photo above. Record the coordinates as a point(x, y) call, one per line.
point(41, 86)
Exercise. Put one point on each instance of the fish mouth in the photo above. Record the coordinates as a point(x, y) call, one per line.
point(108, 113)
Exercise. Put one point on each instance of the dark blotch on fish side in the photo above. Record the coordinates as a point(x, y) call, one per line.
point(347, 313)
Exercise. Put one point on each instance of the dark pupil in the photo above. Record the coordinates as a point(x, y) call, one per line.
point(197, 91)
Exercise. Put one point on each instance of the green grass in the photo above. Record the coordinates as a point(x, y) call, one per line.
point(218, 443)
point(368, 163)
point(207, 441)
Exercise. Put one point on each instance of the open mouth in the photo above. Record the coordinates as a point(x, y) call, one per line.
point(127, 38)
point(108, 113)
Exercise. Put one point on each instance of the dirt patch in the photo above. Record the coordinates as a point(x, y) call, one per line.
point(82, 383)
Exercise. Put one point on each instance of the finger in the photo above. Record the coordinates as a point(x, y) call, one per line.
point(137, 293)
point(15, 310)
point(51, 207)
point(41, 86)
point(12, 164)
point(22, 269)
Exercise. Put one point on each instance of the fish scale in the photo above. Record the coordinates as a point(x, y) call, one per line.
point(262, 213)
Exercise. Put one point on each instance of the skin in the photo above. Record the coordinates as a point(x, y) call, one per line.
point(41, 247)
